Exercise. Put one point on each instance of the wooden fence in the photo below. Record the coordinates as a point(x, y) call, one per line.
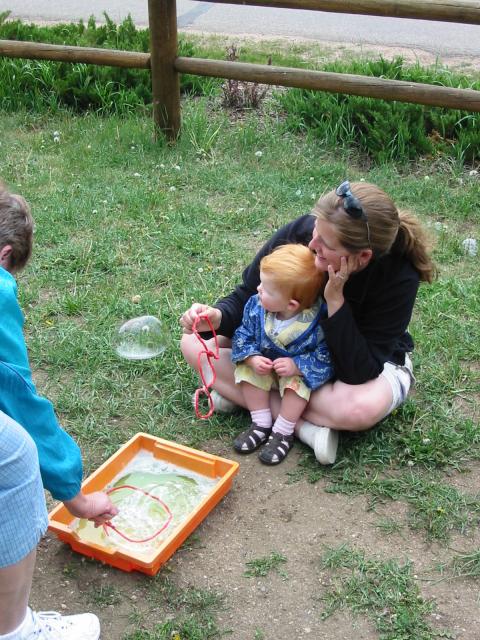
point(165, 65)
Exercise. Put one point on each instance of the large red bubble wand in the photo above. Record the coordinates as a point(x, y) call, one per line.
point(210, 355)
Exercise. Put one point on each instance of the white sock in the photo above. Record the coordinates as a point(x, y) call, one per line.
point(283, 426)
point(17, 633)
point(262, 418)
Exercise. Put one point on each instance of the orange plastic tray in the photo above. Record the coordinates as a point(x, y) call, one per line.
point(205, 464)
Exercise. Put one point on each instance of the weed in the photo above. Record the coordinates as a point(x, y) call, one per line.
point(389, 526)
point(240, 94)
point(463, 565)
point(104, 595)
point(384, 590)
point(262, 566)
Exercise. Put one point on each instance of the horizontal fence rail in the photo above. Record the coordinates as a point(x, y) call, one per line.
point(63, 53)
point(464, 11)
point(165, 66)
point(367, 86)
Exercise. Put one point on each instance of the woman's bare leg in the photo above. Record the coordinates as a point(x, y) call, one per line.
point(15, 585)
point(335, 405)
point(225, 382)
point(349, 407)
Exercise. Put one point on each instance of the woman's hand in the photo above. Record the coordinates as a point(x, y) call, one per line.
point(197, 309)
point(95, 506)
point(260, 364)
point(333, 293)
point(286, 367)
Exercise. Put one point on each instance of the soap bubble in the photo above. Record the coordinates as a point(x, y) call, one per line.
point(140, 338)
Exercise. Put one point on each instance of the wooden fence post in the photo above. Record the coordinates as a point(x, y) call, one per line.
point(162, 16)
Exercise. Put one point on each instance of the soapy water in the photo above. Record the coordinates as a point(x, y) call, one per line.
point(158, 498)
point(140, 338)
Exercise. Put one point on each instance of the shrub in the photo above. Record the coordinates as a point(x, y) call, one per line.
point(40, 85)
point(387, 130)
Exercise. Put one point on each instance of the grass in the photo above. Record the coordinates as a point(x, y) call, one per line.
point(191, 612)
point(127, 227)
point(261, 567)
point(385, 590)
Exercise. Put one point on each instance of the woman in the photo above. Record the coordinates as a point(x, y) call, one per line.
point(375, 257)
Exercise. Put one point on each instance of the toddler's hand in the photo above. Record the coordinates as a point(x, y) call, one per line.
point(197, 309)
point(260, 364)
point(284, 367)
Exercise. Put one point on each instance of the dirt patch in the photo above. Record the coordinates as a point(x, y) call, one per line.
point(261, 514)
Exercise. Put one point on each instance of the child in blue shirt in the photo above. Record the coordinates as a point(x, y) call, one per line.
point(31, 442)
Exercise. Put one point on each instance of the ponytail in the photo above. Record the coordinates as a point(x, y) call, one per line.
point(412, 241)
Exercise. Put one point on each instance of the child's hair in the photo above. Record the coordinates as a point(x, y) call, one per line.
point(390, 230)
point(16, 228)
point(292, 267)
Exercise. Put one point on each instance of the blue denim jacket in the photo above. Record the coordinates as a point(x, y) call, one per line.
point(307, 349)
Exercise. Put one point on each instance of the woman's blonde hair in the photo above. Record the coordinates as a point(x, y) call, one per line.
point(16, 227)
point(292, 268)
point(389, 230)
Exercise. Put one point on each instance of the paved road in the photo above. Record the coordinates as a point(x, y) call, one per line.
point(438, 38)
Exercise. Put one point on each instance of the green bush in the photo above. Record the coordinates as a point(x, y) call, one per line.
point(387, 130)
point(40, 85)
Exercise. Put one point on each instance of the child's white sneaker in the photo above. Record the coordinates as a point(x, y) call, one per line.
point(324, 441)
point(220, 404)
point(49, 625)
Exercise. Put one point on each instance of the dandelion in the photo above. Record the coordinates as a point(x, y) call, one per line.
point(200, 270)
point(258, 154)
point(298, 192)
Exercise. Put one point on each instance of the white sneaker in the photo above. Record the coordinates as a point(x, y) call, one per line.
point(220, 404)
point(324, 441)
point(49, 625)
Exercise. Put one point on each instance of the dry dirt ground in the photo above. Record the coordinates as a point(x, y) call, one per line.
point(264, 513)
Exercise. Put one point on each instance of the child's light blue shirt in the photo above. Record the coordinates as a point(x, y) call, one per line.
point(59, 455)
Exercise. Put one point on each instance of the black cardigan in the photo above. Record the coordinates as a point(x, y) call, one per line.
point(368, 330)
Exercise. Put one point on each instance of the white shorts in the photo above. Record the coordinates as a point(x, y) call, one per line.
point(400, 378)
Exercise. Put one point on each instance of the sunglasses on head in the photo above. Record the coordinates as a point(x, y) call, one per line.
point(352, 205)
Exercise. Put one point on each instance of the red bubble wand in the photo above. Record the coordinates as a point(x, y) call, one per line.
point(211, 355)
point(108, 525)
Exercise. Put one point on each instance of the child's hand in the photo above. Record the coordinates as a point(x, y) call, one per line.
point(197, 309)
point(95, 506)
point(284, 367)
point(260, 364)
